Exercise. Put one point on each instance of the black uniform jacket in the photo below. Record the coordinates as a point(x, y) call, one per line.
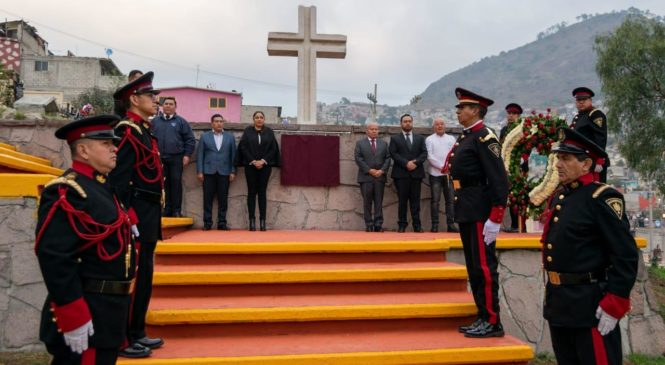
point(401, 154)
point(250, 150)
point(137, 178)
point(587, 231)
point(83, 233)
point(592, 125)
point(479, 176)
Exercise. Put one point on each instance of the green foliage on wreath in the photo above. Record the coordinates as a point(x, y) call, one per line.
point(539, 133)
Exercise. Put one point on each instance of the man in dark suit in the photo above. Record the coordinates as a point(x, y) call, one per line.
point(373, 160)
point(215, 169)
point(592, 124)
point(409, 153)
point(139, 182)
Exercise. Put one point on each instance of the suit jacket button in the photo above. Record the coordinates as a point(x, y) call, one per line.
point(556, 219)
point(549, 258)
point(561, 197)
point(558, 207)
point(549, 246)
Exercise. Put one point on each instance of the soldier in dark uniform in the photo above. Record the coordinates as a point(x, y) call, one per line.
point(85, 251)
point(481, 192)
point(513, 113)
point(592, 124)
point(138, 181)
point(589, 256)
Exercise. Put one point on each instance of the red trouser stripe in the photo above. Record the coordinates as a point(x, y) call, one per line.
point(89, 356)
point(486, 273)
point(598, 347)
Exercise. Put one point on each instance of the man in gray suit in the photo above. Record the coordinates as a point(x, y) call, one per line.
point(373, 160)
point(215, 169)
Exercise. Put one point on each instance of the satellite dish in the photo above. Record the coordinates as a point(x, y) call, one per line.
point(109, 52)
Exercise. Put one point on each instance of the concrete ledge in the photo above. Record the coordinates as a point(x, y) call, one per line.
point(307, 276)
point(20, 185)
point(28, 166)
point(525, 243)
point(314, 313)
point(516, 354)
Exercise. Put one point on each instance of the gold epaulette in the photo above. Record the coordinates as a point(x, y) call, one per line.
point(600, 190)
point(131, 124)
point(592, 111)
point(489, 136)
point(68, 180)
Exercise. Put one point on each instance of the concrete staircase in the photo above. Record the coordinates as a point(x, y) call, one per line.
point(334, 298)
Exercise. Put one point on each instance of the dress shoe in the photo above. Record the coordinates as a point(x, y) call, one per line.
point(435, 228)
point(378, 229)
point(166, 213)
point(262, 225)
point(418, 229)
point(151, 343)
point(401, 229)
point(464, 329)
point(223, 227)
point(135, 351)
point(207, 227)
point(252, 224)
point(486, 329)
point(369, 228)
point(452, 228)
point(177, 215)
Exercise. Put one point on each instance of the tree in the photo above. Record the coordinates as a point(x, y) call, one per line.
point(631, 67)
point(101, 100)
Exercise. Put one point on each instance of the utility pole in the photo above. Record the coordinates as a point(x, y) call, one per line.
point(372, 98)
point(197, 75)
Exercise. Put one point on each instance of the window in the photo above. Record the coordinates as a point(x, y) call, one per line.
point(41, 65)
point(217, 103)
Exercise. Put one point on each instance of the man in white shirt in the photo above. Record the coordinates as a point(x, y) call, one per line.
point(438, 146)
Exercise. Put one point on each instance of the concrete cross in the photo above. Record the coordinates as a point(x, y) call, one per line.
point(307, 45)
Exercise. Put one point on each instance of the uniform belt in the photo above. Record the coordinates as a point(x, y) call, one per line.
point(147, 195)
point(108, 286)
point(557, 278)
point(461, 184)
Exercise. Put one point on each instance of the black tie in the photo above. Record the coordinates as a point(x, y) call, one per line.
point(408, 140)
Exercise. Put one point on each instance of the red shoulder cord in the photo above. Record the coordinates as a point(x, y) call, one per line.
point(94, 233)
point(148, 157)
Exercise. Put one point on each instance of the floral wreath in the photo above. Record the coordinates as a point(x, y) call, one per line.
point(536, 131)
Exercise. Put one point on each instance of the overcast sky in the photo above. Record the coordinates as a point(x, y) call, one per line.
point(403, 45)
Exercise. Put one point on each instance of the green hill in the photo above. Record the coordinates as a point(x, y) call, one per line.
point(536, 75)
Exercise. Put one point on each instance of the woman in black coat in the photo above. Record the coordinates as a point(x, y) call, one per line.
point(258, 152)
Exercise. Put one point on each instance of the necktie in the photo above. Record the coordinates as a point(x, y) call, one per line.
point(373, 145)
point(408, 140)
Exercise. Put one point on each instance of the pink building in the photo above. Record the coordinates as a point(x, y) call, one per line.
point(198, 104)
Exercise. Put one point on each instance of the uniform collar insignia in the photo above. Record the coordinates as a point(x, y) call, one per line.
point(574, 185)
point(100, 178)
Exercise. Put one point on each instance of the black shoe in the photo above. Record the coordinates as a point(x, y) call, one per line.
point(452, 228)
point(207, 226)
point(378, 229)
point(467, 328)
point(401, 229)
point(252, 224)
point(262, 225)
point(435, 228)
point(223, 227)
point(135, 351)
point(166, 213)
point(486, 329)
point(369, 228)
point(151, 343)
point(418, 229)
point(177, 215)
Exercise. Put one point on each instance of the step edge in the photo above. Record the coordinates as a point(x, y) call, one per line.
point(449, 356)
point(311, 313)
point(307, 276)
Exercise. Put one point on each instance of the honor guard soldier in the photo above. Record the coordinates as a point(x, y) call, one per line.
point(592, 124)
point(85, 251)
point(589, 256)
point(481, 192)
point(139, 182)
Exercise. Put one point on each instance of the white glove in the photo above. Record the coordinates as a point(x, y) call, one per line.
point(135, 231)
point(77, 339)
point(606, 322)
point(490, 231)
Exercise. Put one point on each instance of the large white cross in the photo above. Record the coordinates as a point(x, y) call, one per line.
point(307, 45)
